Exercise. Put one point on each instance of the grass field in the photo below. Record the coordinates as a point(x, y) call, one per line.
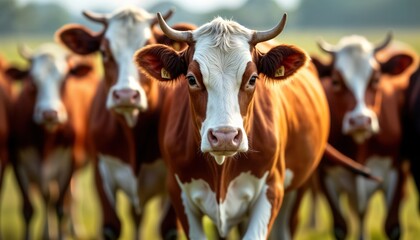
point(11, 221)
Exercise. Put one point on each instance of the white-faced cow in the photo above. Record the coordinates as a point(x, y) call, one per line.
point(49, 120)
point(365, 94)
point(125, 114)
point(243, 125)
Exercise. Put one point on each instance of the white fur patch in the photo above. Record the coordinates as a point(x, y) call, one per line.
point(355, 60)
point(118, 175)
point(128, 31)
point(245, 194)
point(222, 51)
point(49, 70)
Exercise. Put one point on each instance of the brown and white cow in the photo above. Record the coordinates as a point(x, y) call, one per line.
point(365, 95)
point(125, 114)
point(241, 126)
point(49, 119)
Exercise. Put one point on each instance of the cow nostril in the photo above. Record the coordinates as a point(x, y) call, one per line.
point(352, 121)
point(212, 138)
point(238, 138)
point(115, 95)
point(368, 121)
point(135, 96)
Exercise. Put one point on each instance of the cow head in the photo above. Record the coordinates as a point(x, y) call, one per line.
point(50, 67)
point(125, 30)
point(355, 76)
point(222, 68)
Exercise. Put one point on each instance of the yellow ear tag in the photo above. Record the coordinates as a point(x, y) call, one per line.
point(176, 46)
point(279, 72)
point(165, 74)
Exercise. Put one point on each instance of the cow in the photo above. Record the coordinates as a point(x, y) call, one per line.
point(365, 94)
point(5, 101)
point(243, 125)
point(411, 127)
point(48, 128)
point(125, 114)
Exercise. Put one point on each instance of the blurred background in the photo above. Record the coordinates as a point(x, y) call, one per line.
point(35, 21)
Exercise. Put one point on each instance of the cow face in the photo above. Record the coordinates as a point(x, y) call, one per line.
point(125, 31)
point(355, 83)
point(221, 67)
point(50, 67)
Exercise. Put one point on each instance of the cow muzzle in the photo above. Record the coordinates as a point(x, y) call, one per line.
point(126, 98)
point(224, 142)
point(360, 126)
point(50, 118)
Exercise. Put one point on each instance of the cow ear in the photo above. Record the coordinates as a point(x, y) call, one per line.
point(80, 70)
point(160, 62)
point(323, 69)
point(396, 64)
point(16, 74)
point(281, 62)
point(177, 45)
point(79, 39)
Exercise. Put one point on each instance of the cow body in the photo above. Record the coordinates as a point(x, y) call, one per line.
point(49, 127)
point(125, 115)
point(411, 127)
point(364, 87)
point(234, 144)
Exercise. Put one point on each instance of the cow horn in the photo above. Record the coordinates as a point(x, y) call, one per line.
point(325, 46)
point(25, 51)
point(182, 36)
point(385, 43)
point(166, 16)
point(96, 17)
point(261, 36)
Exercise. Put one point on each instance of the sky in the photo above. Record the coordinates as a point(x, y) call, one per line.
point(191, 5)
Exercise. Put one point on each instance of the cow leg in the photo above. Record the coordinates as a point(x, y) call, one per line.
point(27, 208)
point(111, 225)
point(332, 192)
point(137, 217)
point(394, 190)
point(189, 216)
point(261, 216)
point(281, 226)
point(359, 201)
point(415, 172)
point(168, 227)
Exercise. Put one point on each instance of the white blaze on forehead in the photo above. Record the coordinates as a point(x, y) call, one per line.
point(223, 52)
point(355, 60)
point(128, 30)
point(49, 70)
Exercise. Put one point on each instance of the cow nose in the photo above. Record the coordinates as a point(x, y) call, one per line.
point(50, 115)
point(360, 121)
point(126, 96)
point(225, 139)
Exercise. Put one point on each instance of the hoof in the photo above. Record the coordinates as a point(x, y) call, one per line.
point(339, 233)
point(110, 234)
point(171, 235)
point(395, 233)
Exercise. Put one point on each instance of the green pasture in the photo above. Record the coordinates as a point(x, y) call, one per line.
point(87, 205)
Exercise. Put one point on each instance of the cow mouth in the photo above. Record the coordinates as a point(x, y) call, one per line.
point(360, 135)
point(220, 156)
point(129, 113)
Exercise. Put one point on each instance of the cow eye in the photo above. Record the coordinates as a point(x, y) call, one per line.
point(252, 80)
point(104, 54)
point(375, 80)
point(192, 81)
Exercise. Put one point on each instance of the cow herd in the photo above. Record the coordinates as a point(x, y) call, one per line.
point(216, 120)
